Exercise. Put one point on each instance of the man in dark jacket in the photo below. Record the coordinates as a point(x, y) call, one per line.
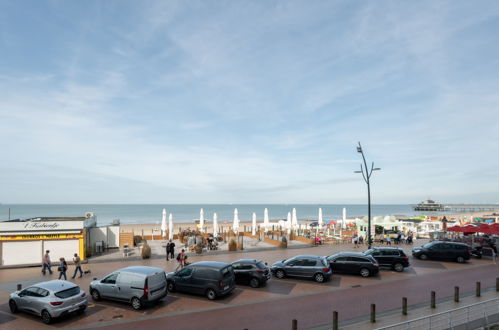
point(170, 250)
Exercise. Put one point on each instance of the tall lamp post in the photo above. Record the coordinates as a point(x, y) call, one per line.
point(366, 174)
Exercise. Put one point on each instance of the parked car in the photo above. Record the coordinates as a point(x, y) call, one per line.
point(51, 299)
point(353, 263)
point(210, 278)
point(303, 266)
point(251, 271)
point(137, 285)
point(394, 258)
point(457, 251)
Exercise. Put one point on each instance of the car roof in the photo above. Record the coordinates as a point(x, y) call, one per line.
point(210, 264)
point(307, 256)
point(55, 285)
point(449, 242)
point(385, 248)
point(144, 270)
point(248, 261)
point(351, 254)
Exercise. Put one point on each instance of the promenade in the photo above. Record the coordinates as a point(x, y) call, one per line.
point(270, 307)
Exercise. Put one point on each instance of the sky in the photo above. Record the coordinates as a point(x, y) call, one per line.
point(248, 101)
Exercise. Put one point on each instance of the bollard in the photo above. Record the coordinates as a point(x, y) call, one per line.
point(432, 304)
point(19, 287)
point(456, 294)
point(497, 284)
point(404, 306)
point(478, 289)
point(335, 320)
point(373, 313)
point(295, 324)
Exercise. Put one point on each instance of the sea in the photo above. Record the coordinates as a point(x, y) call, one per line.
point(183, 213)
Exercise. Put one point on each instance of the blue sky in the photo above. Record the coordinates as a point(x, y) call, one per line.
point(248, 101)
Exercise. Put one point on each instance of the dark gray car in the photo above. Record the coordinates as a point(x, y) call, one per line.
point(210, 278)
point(308, 266)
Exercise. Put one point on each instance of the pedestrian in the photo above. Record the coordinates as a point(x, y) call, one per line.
point(180, 260)
point(388, 240)
point(186, 263)
point(381, 239)
point(494, 251)
point(168, 246)
point(63, 267)
point(355, 240)
point(77, 262)
point(172, 249)
point(46, 263)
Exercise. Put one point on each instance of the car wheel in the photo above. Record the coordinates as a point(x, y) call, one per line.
point(171, 287)
point(254, 282)
point(279, 273)
point(13, 306)
point(95, 295)
point(460, 259)
point(136, 304)
point(319, 278)
point(211, 294)
point(398, 267)
point(46, 318)
point(364, 272)
point(423, 257)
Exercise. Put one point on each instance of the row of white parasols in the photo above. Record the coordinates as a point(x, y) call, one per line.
point(290, 223)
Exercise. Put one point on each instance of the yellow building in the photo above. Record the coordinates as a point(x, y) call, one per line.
point(23, 242)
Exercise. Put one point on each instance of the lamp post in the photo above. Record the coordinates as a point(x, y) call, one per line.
point(366, 174)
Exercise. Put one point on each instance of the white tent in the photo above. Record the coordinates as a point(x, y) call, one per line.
point(201, 220)
point(163, 224)
point(294, 220)
point(215, 225)
point(235, 225)
point(266, 219)
point(170, 226)
point(253, 225)
point(320, 221)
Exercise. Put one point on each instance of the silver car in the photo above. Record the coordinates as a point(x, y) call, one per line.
point(49, 299)
point(137, 285)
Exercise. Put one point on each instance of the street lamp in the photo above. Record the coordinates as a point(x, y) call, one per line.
point(366, 174)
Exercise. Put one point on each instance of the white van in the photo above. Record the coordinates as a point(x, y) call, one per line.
point(137, 285)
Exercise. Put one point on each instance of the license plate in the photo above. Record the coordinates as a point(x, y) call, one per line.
point(226, 287)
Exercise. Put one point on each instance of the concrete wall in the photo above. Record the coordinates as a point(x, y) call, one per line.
point(108, 234)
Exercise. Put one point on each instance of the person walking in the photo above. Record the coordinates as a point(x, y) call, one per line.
point(493, 246)
point(167, 250)
point(46, 263)
point(388, 239)
point(77, 262)
point(180, 260)
point(172, 249)
point(63, 267)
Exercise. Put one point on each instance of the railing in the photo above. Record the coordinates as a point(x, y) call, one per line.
point(479, 314)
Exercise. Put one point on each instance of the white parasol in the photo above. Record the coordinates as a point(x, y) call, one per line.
point(266, 219)
point(253, 225)
point(320, 222)
point(215, 225)
point(170, 226)
point(235, 225)
point(201, 220)
point(294, 220)
point(163, 224)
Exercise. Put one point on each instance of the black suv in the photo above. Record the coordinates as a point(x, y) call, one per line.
point(209, 278)
point(389, 257)
point(459, 252)
point(251, 271)
point(353, 263)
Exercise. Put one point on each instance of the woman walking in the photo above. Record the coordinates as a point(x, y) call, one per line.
point(63, 267)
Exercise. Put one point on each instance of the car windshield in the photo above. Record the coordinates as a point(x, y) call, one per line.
point(370, 251)
point(68, 292)
point(261, 265)
point(227, 271)
point(427, 245)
